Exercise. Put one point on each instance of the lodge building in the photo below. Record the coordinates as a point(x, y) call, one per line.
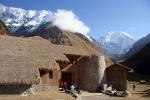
point(25, 62)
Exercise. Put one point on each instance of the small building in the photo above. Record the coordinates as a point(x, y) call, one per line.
point(116, 75)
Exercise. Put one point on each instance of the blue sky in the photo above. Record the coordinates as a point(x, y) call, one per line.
point(102, 16)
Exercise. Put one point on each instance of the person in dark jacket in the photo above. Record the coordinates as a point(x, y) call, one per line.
point(133, 87)
point(78, 88)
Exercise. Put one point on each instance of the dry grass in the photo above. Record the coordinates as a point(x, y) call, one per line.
point(55, 95)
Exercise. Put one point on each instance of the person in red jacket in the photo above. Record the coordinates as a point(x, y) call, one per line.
point(65, 86)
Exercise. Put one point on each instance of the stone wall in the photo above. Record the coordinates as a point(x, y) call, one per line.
point(101, 70)
point(38, 88)
point(13, 89)
point(43, 87)
point(93, 73)
point(25, 90)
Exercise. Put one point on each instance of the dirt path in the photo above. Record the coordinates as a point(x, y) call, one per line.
point(111, 98)
point(142, 90)
point(100, 96)
point(106, 97)
point(55, 95)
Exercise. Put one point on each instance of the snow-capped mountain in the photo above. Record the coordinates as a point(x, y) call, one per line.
point(15, 18)
point(116, 44)
point(23, 21)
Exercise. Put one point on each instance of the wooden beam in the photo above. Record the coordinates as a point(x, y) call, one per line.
point(68, 66)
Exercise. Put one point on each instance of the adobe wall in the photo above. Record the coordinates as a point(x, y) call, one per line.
point(50, 78)
point(45, 78)
point(54, 81)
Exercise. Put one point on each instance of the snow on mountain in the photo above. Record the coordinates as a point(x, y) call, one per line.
point(116, 43)
point(26, 21)
point(17, 17)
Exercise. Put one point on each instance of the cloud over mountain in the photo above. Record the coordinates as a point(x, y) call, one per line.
point(67, 20)
point(64, 19)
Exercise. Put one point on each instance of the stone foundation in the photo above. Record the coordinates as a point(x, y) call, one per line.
point(43, 87)
point(25, 90)
point(13, 89)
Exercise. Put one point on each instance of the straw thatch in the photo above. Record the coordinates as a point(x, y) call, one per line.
point(58, 56)
point(21, 58)
point(71, 50)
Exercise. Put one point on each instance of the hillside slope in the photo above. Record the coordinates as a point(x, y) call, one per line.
point(4, 30)
point(60, 37)
point(138, 46)
point(140, 61)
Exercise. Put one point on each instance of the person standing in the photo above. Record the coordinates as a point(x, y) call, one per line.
point(78, 88)
point(65, 86)
point(72, 89)
point(133, 87)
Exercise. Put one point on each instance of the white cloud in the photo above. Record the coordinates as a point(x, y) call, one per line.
point(67, 20)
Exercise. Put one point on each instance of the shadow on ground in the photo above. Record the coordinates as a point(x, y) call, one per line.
point(147, 93)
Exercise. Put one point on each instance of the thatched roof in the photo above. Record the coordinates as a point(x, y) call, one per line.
point(71, 50)
point(21, 74)
point(20, 59)
point(34, 52)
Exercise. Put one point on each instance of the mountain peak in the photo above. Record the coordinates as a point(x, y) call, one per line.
point(116, 43)
point(111, 36)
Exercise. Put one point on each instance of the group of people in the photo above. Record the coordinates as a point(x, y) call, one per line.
point(63, 86)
